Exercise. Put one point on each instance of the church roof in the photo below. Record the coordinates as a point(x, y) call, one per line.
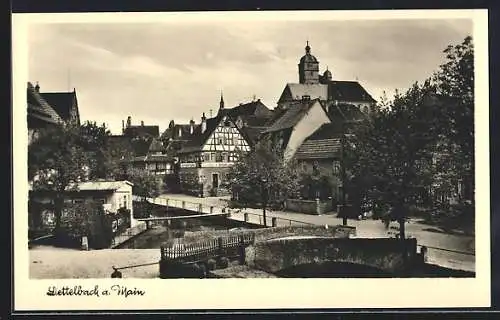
point(62, 102)
point(295, 91)
point(348, 91)
point(39, 108)
point(351, 91)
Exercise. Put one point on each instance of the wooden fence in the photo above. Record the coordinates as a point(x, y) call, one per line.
point(229, 246)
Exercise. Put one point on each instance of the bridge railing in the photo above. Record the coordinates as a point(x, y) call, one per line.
point(258, 218)
point(203, 250)
point(182, 204)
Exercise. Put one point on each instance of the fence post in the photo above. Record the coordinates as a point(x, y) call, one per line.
point(242, 250)
point(245, 216)
point(211, 209)
point(183, 204)
point(200, 208)
point(274, 222)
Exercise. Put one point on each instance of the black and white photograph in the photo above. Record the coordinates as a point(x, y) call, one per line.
point(233, 146)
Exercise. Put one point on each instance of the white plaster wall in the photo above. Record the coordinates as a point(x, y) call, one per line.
point(309, 123)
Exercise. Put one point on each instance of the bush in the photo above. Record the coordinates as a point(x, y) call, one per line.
point(89, 220)
point(223, 262)
point(211, 264)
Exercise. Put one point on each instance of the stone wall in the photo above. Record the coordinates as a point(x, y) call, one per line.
point(309, 206)
point(383, 254)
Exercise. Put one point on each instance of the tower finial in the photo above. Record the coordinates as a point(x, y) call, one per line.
point(221, 103)
point(308, 48)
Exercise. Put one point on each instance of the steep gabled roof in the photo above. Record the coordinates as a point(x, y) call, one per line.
point(39, 108)
point(289, 117)
point(156, 146)
point(253, 109)
point(348, 91)
point(295, 91)
point(198, 138)
point(62, 102)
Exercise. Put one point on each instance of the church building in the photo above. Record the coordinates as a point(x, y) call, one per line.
point(324, 88)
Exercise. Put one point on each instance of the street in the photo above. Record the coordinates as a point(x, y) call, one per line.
point(447, 250)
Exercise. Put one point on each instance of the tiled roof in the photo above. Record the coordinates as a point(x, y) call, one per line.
point(155, 146)
point(134, 131)
point(345, 112)
point(254, 108)
point(291, 116)
point(198, 139)
point(100, 185)
point(39, 108)
point(62, 102)
point(348, 91)
point(319, 149)
point(295, 91)
point(331, 90)
point(153, 158)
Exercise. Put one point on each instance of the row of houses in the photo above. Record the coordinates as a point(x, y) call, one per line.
point(307, 123)
point(48, 109)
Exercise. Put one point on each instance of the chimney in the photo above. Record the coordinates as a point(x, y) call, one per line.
point(203, 123)
point(258, 100)
point(123, 125)
point(142, 123)
point(129, 121)
point(37, 87)
point(191, 126)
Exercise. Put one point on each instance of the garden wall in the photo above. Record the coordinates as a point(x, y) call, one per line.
point(316, 207)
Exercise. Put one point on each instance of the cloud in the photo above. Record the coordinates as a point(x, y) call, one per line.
point(164, 71)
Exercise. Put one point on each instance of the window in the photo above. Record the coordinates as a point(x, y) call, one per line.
point(75, 201)
point(227, 123)
point(336, 167)
point(218, 157)
point(124, 202)
point(100, 200)
point(219, 141)
point(224, 157)
point(212, 156)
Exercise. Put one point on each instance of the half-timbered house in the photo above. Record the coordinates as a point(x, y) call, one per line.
point(205, 159)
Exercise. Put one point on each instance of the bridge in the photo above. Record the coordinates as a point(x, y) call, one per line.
point(191, 209)
point(381, 256)
point(178, 256)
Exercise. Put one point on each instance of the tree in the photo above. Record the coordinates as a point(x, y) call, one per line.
point(146, 185)
point(263, 177)
point(389, 158)
point(56, 161)
point(88, 220)
point(95, 142)
point(455, 84)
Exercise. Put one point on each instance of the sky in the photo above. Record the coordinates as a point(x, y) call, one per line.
point(163, 71)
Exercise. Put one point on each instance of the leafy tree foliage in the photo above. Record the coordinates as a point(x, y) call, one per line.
point(146, 185)
point(94, 141)
point(421, 139)
point(88, 219)
point(263, 177)
point(389, 158)
point(56, 161)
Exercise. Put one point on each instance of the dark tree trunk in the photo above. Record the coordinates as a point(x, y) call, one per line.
point(58, 208)
point(264, 214)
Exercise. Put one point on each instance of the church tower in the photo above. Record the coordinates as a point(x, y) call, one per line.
point(308, 68)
